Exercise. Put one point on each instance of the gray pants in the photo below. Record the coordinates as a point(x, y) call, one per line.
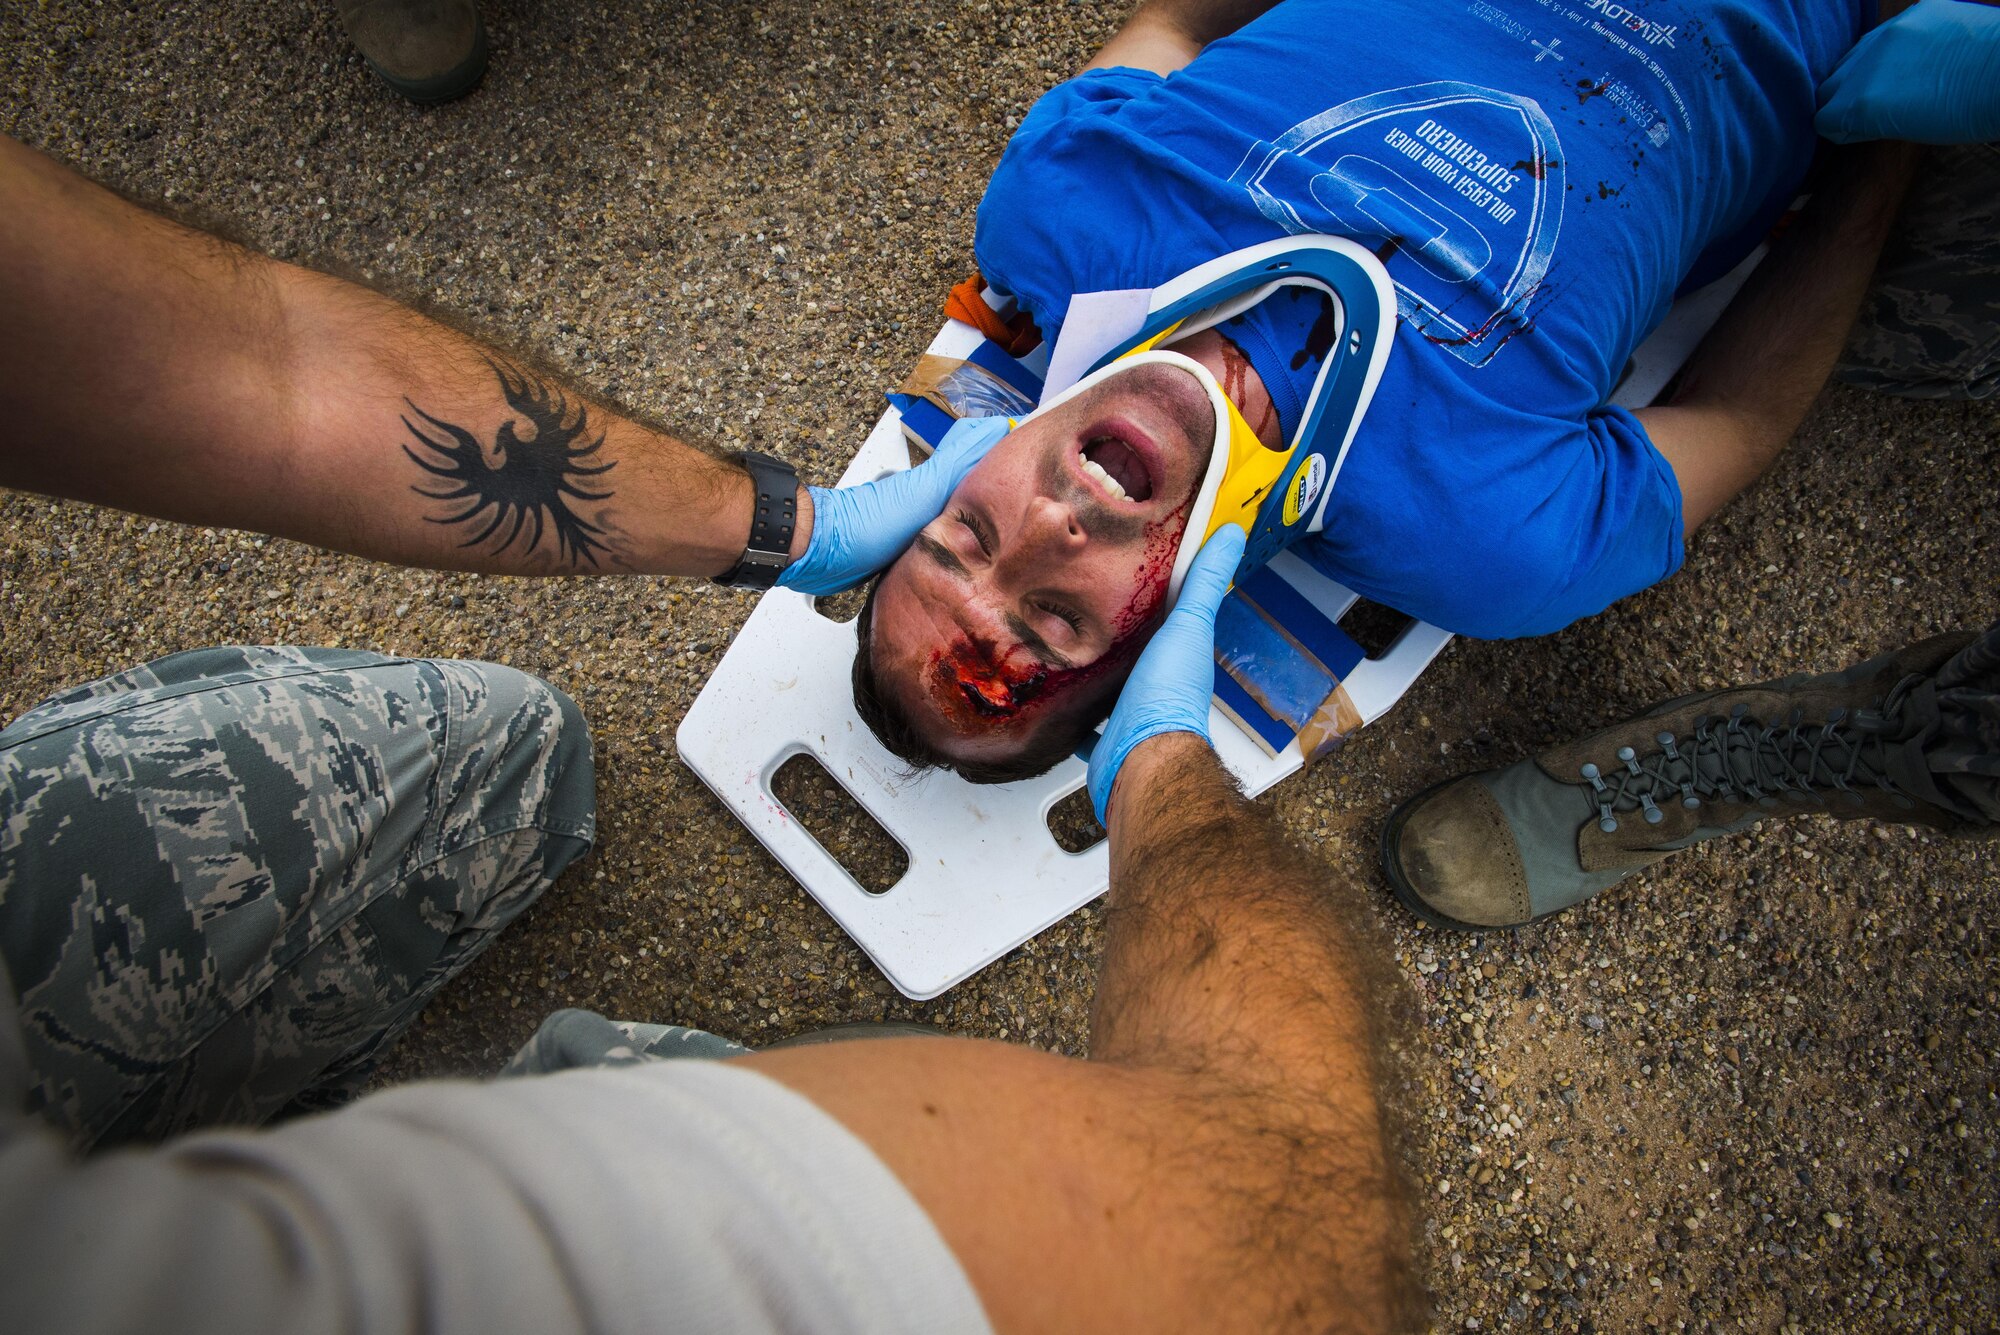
point(229, 879)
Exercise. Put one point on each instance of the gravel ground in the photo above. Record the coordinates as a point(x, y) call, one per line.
point(1753, 1089)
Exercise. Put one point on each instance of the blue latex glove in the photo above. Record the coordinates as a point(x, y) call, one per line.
point(1170, 685)
point(858, 530)
point(1930, 75)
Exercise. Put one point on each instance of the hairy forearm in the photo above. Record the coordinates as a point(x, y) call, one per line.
point(474, 459)
point(1232, 962)
point(1228, 951)
point(1750, 384)
point(159, 369)
point(1226, 955)
point(1220, 1162)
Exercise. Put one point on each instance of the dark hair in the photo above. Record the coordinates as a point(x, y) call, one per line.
point(890, 720)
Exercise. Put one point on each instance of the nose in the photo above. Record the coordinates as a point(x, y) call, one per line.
point(1049, 530)
point(1053, 523)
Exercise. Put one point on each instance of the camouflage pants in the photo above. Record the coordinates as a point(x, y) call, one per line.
point(572, 1038)
point(230, 878)
point(1964, 755)
point(1930, 327)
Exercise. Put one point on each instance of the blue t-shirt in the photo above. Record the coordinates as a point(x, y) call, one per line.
point(1541, 177)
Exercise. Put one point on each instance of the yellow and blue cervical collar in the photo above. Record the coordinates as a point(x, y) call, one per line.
point(1274, 496)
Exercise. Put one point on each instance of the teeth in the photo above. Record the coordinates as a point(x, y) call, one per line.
point(1104, 479)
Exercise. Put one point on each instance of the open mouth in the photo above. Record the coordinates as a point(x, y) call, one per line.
point(1117, 467)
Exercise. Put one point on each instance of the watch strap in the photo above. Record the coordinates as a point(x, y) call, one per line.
point(774, 516)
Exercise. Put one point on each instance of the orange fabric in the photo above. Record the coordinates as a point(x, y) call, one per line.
point(1016, 336)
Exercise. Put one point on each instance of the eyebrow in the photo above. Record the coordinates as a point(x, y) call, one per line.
point(1039, 647)
point(943, 555)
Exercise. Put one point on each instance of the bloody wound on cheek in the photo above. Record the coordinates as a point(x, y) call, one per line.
point(976, 688)
point(977, 685)
point(988, 686)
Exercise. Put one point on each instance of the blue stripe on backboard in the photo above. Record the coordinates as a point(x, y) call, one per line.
point(1275, 734)
point(1290, 685)
point(1304, 622)
point(1240, 702)
point(992, 357)
point(922, 418)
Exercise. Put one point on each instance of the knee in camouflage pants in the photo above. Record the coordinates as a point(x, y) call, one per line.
point(228, 879)
point(1930, 327)
point(1963, 753)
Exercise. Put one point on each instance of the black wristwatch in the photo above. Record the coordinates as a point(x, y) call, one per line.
point(776, 515)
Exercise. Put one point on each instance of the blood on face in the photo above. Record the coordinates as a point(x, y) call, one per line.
point(980, 684)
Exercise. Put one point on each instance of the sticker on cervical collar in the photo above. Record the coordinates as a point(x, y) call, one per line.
point(1305, 489)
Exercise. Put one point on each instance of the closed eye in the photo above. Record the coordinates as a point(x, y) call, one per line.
point(980, 532)
point(1068, 615)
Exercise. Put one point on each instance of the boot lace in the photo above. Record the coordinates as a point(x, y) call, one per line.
point(1740, 759)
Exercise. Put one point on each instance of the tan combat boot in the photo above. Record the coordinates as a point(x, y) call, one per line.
point(430, 51)
point(1505, 847)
